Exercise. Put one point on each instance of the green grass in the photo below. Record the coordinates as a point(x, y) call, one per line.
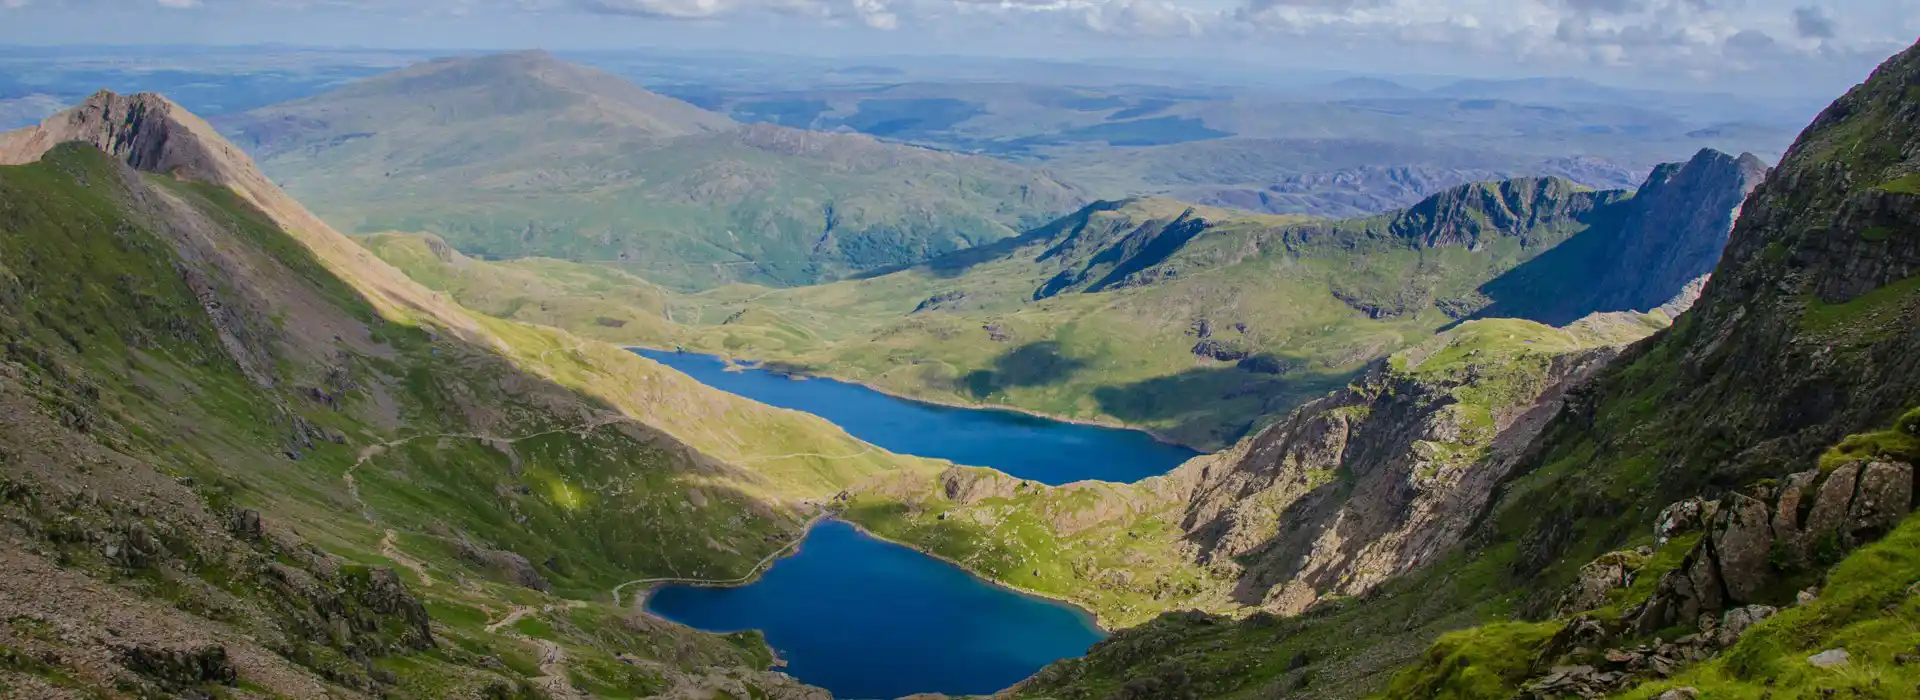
point(1483, 663)
point(1861, 316)
point(1905, 184)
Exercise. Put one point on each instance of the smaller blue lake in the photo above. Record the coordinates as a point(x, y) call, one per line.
point(866, 618)
point(1028, 447)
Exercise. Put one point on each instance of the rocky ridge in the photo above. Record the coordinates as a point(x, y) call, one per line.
point(241, 453)
point(1667, 237)
point(1800, 344)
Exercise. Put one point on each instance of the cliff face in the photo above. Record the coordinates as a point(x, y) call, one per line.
point(1642, 252)
point(1675, 230)
point(1378, 479)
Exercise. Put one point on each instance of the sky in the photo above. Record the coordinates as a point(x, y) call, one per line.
point(1787, 47)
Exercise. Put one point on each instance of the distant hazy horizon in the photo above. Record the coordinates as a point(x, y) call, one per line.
point(1759, 47)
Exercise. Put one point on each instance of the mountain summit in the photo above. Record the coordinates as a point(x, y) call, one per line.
point(517, 155)
point(488, 98)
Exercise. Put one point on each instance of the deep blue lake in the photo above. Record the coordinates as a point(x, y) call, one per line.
point(1025, 446)
point(865, 618)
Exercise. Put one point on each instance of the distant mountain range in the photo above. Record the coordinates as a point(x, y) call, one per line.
point(523, 154)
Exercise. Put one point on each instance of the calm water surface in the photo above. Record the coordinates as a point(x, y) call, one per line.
point(1043, 450)
point(865, 618)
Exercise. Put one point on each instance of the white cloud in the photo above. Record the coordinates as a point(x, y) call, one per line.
point(1634, 39)
point(1141, 18)
point(659, 9)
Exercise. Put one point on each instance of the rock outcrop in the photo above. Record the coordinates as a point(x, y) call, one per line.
point(1373, 481)
point(1759, 538)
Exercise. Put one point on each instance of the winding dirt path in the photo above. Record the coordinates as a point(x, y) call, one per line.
point(391, 550)
point(375, 450)
point(553, 658)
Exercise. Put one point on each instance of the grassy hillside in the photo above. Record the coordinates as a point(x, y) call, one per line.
point(306, 475)
point(518, 155)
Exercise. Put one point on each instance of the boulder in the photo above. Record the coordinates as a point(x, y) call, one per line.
point(1882, 498)
point(1819, 536)
point(1742, 542)
point(1727, 630)
point(1681, 518)
point(1610, 572)
point(1813, 520)
point(1830, 658)
point(178, 668)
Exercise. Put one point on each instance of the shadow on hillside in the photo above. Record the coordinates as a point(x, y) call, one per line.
point(1216, 404)
point(1033, 364)
point(1556, 287)
point(957, 263)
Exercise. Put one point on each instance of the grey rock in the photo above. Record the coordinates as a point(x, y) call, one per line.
point(1830, 658)
point(1807, 595)
point(1823, 525)
point(1736, 622)
point(1882, 497)
point(514, 567)
point(179, 668)
point(1741, 544)
point(1599, 577)
point(1681, 518)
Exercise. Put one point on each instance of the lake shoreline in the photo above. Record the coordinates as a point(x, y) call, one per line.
point(640, 595)
point(1091, 615)
point(750, 363)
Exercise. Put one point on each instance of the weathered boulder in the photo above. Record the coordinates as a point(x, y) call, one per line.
point(1741, 542)
point(1726, 630)
point(1681, 518)
point(179, 668)
point(1610, 572)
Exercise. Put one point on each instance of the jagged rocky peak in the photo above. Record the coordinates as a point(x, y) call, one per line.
point(1677, 227)
point(1470, 215)
point(144, 130)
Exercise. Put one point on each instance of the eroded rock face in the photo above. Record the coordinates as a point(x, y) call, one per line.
point(1676, 228)
point(1755, 538)
point(1357, 487)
